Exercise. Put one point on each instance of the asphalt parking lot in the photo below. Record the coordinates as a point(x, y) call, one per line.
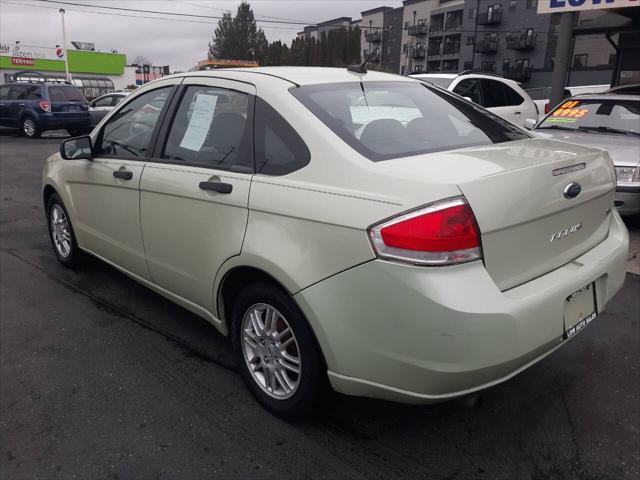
point(101, 378)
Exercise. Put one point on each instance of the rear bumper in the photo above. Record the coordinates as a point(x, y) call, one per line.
point(54, 120)
point(420, 335)
point(627, 200)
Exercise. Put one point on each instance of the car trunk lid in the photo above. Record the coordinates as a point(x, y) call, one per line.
point(528, 225)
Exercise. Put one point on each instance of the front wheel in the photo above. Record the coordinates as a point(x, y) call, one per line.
point(61, 235)
point(29, 127)
point(276, 351)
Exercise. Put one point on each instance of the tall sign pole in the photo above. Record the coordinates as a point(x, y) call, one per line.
point(64, 47)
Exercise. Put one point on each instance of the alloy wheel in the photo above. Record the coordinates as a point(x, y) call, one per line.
point(29, 127)
point(60, 231)
point(270, 350)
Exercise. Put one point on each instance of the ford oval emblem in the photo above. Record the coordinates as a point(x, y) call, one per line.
point(572, 190)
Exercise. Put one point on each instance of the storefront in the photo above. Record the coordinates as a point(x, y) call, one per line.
point(95, 73)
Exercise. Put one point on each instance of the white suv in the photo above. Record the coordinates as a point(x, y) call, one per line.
point(501, 96)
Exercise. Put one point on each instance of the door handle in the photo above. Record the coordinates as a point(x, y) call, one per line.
point(219, 187)
point(517, 113)
point(21, 104)
point(123, 174)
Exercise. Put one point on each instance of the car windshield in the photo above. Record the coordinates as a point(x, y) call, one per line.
point(592, 115)
point(384, 120)
point(443, 82)
point(66, 94)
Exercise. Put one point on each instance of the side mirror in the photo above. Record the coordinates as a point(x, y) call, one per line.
point(77, 148)
point(529, 123)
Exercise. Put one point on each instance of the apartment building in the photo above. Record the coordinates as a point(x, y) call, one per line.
point(381, 34)
point(314, 31)
point(431, 35)
point(510, 38)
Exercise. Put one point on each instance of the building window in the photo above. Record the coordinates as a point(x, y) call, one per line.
point(469, 39)
point(506, 63)
point(472, 13)
point(403, 70)
point(512, 5)
point(488, 66)
point(406, 24)
point(467, 66)
point(532, 4)
point(580, 61)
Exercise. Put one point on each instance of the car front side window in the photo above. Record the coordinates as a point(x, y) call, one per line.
point(128, 133)
point(469, 88)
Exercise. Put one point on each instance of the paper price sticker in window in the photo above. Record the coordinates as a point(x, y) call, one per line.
point(569, 112)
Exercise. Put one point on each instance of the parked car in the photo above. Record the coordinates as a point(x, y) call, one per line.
point(499, 95)
point(100, 106)
point(541, 95)
point(414, 255)
point(37, 107)
point(608, 121)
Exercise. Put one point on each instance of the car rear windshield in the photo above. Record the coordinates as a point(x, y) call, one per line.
point(66, 94)
point(385, 120)
point(592, 115)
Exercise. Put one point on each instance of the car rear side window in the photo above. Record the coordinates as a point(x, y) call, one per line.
point(211, 128)
point(128, 133)
point(385, 120)
point(279, 149)
point(497, 94)
point(65, 93)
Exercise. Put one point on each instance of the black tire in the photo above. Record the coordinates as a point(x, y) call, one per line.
point(312, 379)
point(74, 257)
point(74, 132)
point(29, 127)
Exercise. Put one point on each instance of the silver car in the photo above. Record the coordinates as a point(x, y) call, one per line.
point(610, 122)
point(362, 230)
point(99, 107)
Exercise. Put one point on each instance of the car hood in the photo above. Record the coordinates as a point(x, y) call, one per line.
point(623, 149)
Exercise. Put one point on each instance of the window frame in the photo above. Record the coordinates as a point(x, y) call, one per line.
point(154, 136)
point(162, 135)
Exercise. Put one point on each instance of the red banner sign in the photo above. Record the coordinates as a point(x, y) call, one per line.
point(22, 61)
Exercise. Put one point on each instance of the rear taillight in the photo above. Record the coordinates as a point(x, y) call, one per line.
point(547, 107)
point(45, 105)
point(443, 233)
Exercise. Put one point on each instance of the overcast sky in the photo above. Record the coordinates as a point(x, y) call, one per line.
point(178, 44)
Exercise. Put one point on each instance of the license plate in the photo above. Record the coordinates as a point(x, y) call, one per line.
point(579, 310)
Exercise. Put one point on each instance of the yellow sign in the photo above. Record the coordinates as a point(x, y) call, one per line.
point(223, 63)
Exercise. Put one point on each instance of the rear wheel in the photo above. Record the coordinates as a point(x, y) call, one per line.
point(29, 127)
point(75, 132)
point(276, 351)
point(61, 235)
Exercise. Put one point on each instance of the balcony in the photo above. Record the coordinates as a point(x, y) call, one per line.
point(419, 29)
point(436, 26)
point(451, 48)
point(435, 50)
point(491, 17)
point(453, 26)
point(487, 46)
point(521, 41)
point(520, 73)
point(419, 51)
point(373, 36)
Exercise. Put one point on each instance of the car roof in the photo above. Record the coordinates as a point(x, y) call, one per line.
point(608, 96)
point(298, 75)
point(433, 75)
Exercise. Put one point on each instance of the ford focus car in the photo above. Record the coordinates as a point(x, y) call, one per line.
point(608, 121)
point(416, 248)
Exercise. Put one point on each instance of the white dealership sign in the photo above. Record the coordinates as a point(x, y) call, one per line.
point(553, 6)
point(18, 51)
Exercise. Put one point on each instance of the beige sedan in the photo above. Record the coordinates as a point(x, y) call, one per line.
point(360, 230)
